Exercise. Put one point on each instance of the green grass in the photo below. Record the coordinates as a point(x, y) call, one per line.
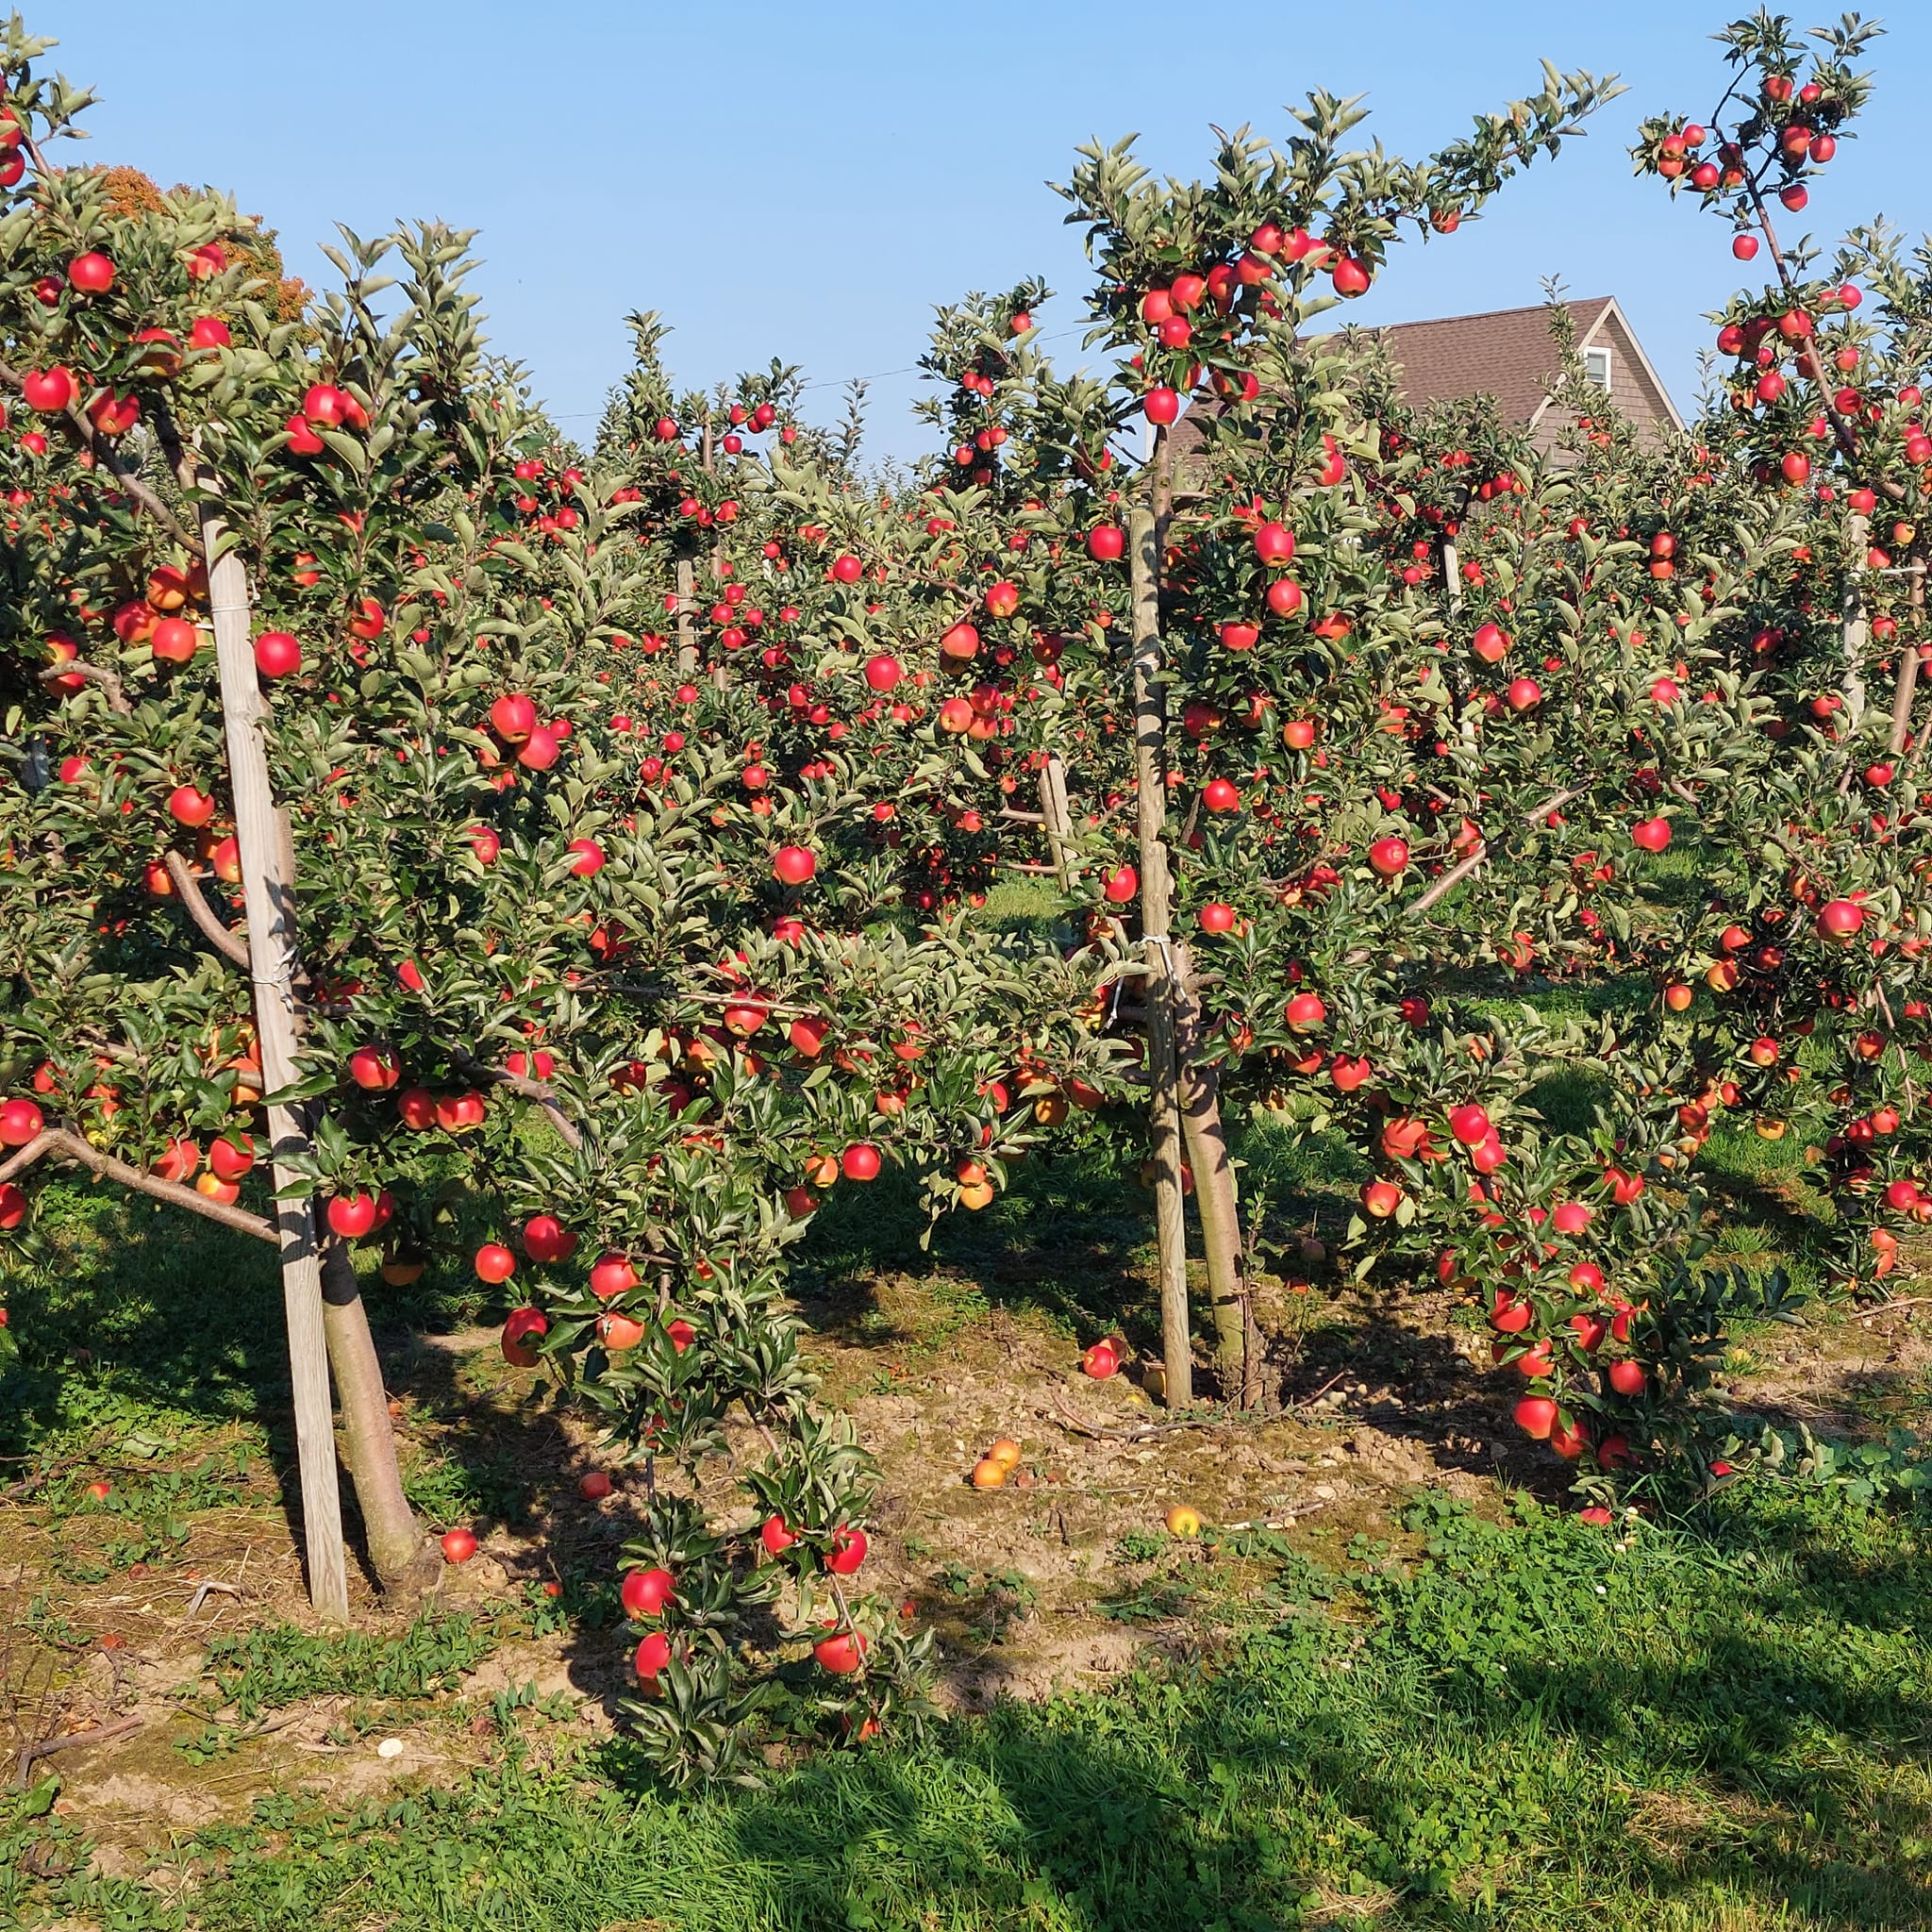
point(1723, 1726)
point(1513, 1726)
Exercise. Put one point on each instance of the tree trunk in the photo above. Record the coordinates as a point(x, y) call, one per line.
point(1163, 1098)
point(1216, 1196)
point(268, 893)
point(402, 1555)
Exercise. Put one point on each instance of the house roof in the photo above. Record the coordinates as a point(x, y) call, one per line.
point(1505, 353)
point(1508, 353)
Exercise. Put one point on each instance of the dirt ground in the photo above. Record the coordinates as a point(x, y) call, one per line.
point(1024, 1584)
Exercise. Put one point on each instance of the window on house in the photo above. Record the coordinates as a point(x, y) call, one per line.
point(1596, 366)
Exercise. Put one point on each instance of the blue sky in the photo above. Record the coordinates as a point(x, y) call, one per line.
point(808, 180)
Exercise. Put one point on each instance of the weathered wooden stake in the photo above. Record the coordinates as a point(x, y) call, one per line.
point(1217, 1199)
point(1163, 1102)
point(268, 893)
point(1057, 816)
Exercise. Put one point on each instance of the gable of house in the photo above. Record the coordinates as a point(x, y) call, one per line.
point(1508, 353)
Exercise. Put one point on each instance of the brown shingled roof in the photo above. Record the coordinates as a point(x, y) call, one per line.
point(1508, 353)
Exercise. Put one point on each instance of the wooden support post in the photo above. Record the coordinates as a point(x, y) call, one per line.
point(687, 621)
point(1236, 1340)
point(1909, 655)
point(268, 894)
point(1163, 1098)
point(1857, 630)
point(1057, 816)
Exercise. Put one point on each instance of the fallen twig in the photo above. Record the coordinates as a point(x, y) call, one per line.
point(201, 1593)
point(1286, 1522)
point(47, 1746)
point(1888, 1308)
point(1141, 1432)
point(1319, 1393)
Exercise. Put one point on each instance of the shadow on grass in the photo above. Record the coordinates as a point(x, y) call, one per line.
point(1527, 1733)
point(1071, 1239)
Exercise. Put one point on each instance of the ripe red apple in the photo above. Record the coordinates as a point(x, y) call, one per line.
point(1217, 917)
point(1349, 1074)
point(543, 746)
point(523, 1326)
point(1162, 405)
point(883, 673)
point(1107, 542)
point(1304, 1011)
point(1388, 857)
point(373, 1068)
point(47, 390)
point(1490, 644)
point(231, 1157)
point(1652, 835)
point(352, 1216)
point(1470, 1123)
point(612, 1275)
point(860, 1162)
point(594, 1485)
point(653, 1654)
point(1100, 1361)
point(849, 1547)
point(277, 654)
point(841, 1654)
point(792, 865)
point(1274, 543)
point(775, 1537)
point(494, 1263)
point(19, 1122)
point(513, 718)
point(645, 1593)
point(179, 1162)
point(458, 1545)
point(1627, 1377)
point(546, 1238)
point(1536, 1415)
point(586, 856)
point(174, 638)
point(1840, 919)
point(188, 807)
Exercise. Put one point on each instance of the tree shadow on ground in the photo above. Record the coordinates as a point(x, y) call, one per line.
point(1718, 1774)
point(1063, 1241)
